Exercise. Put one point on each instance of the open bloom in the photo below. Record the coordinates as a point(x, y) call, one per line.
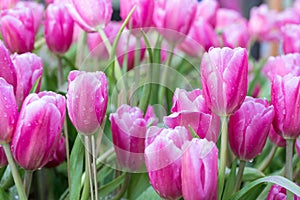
point(87, 100)
point(200, 170)
point(249, 128)
point(129, 127)
point(38, 129)
point(224, 76)
point(163, 155)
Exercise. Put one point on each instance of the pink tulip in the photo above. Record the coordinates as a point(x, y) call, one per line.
point(38, 129)
point(278, 193)
point(291, 33)
point(207, 10)
point(8, 110)
point(276, 139)
point(226, 17)
point(163, 155)
point(174, 18)
point(129, 126)
point(59, 155)
point(141, 17)
point(249, 128)
point(3, 159)
point(236, 34)
point(6, 4)
point(285, 97)
point(59, 27)
point(224, 75)
point(17, 29)
point(189, 110)
point(287, 16)
point(282, 65)
point(7, 69)
point(87, 99)
point(91, 15)
point(29, 68)
point(200, 170)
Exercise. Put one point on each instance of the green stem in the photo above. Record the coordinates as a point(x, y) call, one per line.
point(15, 173)
point(60, 74)
point(105, 40)
point(89, 168)
point(137, 60)
point(289, 164)
point(67, 150)
point(124, 187)
point(239, 175)
point(268, 159)
point(27, 181)
point(223, 156)
point(86, 187)
point(94, 156)
point(80, 50)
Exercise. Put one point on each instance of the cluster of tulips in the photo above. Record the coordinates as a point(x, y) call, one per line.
point(236, 113)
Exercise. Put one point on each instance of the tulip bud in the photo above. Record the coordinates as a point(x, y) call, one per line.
point(163, 153)
point(128, 127)
point(174, 18)
point(226, 17)
point(7, 69)
point(278, 193)
point(249, 128)
point(276, 139)
point(17, 29)
point(285, 93)
point(189, 110)
point(8, 110)
point(59, 27)
point(236, 34)
point(29, 68)
point(3, 159)
point(59, 155)
point(207, 10)
point(87, 100)
point(141, 17)
point(291, 33)
point(38, 129)
point(200, 170)
point(224, 75)
point(91, 15)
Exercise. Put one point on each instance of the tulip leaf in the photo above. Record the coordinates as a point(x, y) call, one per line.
point(230, 182)
point(251, 174)
point(111, 186)
point(148, 45)
point(149, 194)
point(138, 184)
point(35, 86)
point(3, 194)
point(279, 180)
point(76, 168)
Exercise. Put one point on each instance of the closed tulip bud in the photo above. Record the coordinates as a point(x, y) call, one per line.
point(7, 69)
point(291, 33)
point(249, 128)
point(278, 193)
point(236, 34)
point(3, 159)
point(285, 92)
point(8, 110)
point(129, 127)
point(163, 155)
point(189, 110)
point(276, 139)
point(38, 129)
point(6, 4)
point(224, 75)
point(29, 68)
point(142, 16)
point(59, 155)
point(91, 15)
point(87, 100)
point(17, 29)
point(59, 27)
point(207, 10)
point(167, 12)
point(200, 170)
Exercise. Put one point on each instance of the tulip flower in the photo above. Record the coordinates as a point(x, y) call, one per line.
point(163, 155)
point(38, 129)
point(200, 170)
point(91, 15)
point(207, 10)
point(17, 29)
point(128, 127)
point(59, 156)
point(189, 110)
point(285, 93)
point(278, 193)
point(59, 27)
point(6, 4)
point(29, 68)
point(282, 65)
point(224, 75)
point(226, 17)
point(3, 159)
point(249, 128)
point(8, 110)
point(142, 16)
point(276, 139)
point(291, 33)
point(87, 100)
point(287, 16)
point(236, 34)
point(174, 18)
point(7, 69)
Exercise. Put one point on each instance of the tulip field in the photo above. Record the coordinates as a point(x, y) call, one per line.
point(149, 100)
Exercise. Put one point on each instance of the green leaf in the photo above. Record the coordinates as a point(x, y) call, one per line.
point(251, 174)
point(149, 194)
point(138, 184)
point(148, 45)
point(3, 194)
point(76, 162)
point(230, 182)
point(7, 180)
point(34, 87)
point(108, 188)
point(279, 180)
